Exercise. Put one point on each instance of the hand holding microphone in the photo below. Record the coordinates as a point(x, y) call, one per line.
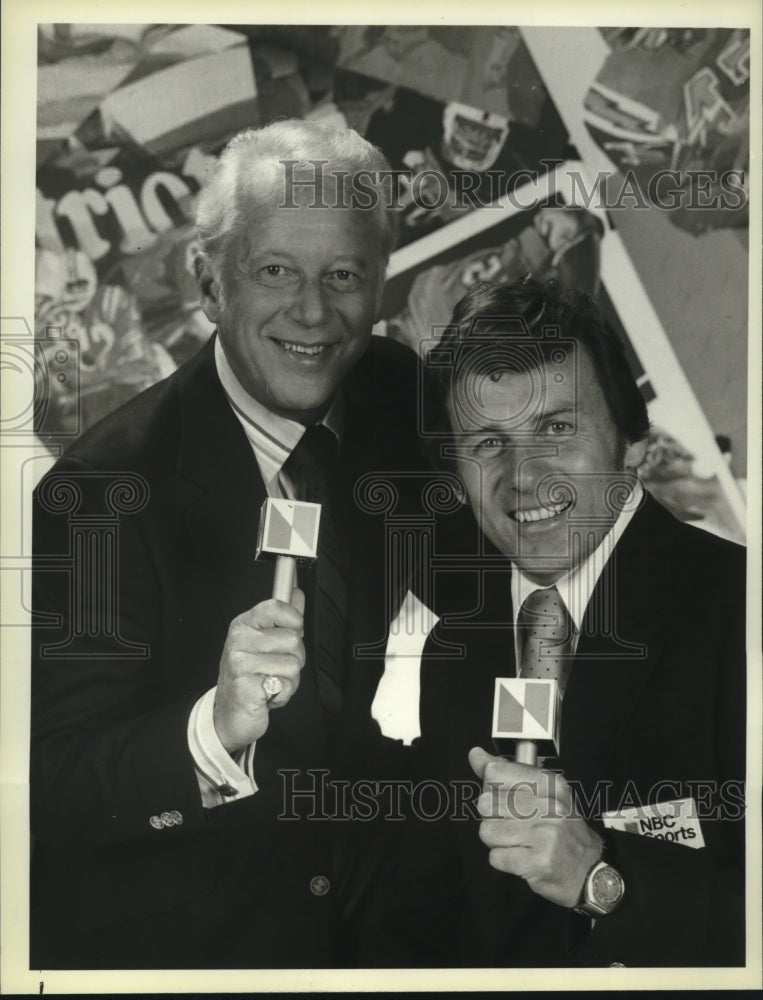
point(531, 829)
point(265, 641)
point(264, 652)
point(528, 819)
point(528, 815)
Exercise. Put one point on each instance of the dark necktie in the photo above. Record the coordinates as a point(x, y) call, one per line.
point(313, 468)
point(545, 637)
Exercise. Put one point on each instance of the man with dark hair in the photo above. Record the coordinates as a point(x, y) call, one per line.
point(174, 704)
point(627, 848)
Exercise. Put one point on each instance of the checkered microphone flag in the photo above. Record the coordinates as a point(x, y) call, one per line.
point(289, 528)
point(527, 709)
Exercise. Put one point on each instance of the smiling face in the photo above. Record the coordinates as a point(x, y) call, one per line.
point(542, 462)
point(301, 295)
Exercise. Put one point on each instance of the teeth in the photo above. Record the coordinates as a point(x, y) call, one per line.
point(539, 513)
point(303, 348)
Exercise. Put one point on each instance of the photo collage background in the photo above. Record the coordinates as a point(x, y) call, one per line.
point(118, 171)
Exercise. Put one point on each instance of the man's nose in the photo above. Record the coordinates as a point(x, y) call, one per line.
point(310, 306)
point(526, 468)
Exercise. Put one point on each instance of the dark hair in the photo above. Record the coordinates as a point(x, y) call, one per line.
point(518, 326)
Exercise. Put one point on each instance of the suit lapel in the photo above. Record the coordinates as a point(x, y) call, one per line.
point(620, 645)
point(469, 720)
point(489, 654)
point(224, 492)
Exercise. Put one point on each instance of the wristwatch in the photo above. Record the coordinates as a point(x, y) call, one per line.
point(603, 889)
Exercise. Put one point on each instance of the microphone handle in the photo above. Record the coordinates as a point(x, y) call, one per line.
point(526, 752)
point(283, 578)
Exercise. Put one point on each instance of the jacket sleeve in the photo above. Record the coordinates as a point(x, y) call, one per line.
point(109, 750)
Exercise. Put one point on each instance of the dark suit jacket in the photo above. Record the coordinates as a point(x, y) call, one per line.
point(656, 696)
point(229, 887)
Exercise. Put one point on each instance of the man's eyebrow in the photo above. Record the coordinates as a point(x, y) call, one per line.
point(510, 426)
point(351, 259)
point(483, 429)
point(259, 255)
point(338, 261)
point(560, 411)
point(266, 251)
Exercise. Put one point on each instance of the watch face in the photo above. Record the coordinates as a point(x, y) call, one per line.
point(606, 886)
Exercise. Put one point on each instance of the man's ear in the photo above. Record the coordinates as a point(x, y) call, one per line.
point(209, 295)
point(634, 454)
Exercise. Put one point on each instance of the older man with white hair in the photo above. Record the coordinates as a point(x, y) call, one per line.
point(178, 818)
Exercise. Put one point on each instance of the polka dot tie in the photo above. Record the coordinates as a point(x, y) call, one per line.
point(545, 637)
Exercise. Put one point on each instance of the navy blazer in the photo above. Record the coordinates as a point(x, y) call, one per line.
point(654, 710)
point(233, 886)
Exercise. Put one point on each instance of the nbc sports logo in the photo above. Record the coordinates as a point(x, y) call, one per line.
point(289, 528)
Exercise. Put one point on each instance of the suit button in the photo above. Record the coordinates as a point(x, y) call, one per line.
point(319, 885)
point(176, 817)
point(167, 819)
point(156, 823)
point(616, 965)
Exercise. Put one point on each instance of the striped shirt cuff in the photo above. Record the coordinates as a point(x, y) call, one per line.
point(222, 778)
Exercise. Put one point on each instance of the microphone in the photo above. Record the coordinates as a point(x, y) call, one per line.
point(288, 532)
point(527, 711)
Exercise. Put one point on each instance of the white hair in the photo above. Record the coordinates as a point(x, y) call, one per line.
point(252, 165)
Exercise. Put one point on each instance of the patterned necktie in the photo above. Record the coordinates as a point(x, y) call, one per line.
point(313, 468)
point(545, 637)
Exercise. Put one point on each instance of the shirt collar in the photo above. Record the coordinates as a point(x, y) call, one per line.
point(577, 585)
point(273, 437)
